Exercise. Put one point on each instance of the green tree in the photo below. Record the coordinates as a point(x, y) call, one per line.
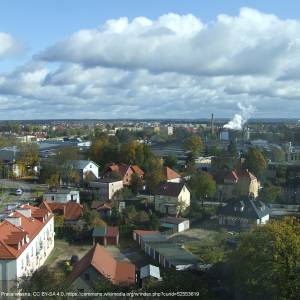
point(255, 161)
point(203, 186)
point(136, 183)
point(29, 156)
point(44, 279)
point(271, 193)
point(194, 145)
point(92, 218)
point(266, 262)
point(170, 161)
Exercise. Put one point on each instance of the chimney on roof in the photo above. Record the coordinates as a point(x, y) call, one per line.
point(24, 211)
point(14, 220)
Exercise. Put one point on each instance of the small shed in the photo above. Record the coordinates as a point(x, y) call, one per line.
point(150, 271)
point(106, 235)
point(175, 224)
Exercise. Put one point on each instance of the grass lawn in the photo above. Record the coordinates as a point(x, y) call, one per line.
point(56, 252)
point(63, 250)
point(210, 249)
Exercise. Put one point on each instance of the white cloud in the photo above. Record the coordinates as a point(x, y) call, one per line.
point(8, 45)
point(174, 66)
point(250, 43)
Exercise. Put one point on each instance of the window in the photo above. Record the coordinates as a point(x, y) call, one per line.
point(52, 198)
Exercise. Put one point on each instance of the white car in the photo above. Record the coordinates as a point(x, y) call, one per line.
point(19, 192)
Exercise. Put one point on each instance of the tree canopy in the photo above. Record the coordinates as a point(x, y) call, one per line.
point(266, 262)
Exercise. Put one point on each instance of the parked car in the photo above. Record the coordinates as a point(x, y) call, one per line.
point(19, 192)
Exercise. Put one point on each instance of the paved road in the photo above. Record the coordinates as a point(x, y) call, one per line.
point(8, 188)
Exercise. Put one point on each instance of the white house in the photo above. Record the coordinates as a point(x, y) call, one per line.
point(27, 238)
point(62, 196)
point(85, 168)
point(172, 198)
point(107, 187)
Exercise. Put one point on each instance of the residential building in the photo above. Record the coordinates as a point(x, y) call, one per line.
point(244, 213)
point(237, 183)
point(95, 265)
point(26, 240)
point(107, 187)
point(9, 157)
point(62, 196)
point(124, 171)
point(165, 252)
point(106, 236)
point(71, 211)
point(103, 207)
point(172, 198)
point(87, 169)
point(175, 224)
point(170, 175)
point(292, 153)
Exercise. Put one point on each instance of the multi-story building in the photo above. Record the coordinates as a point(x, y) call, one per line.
point(26, 240)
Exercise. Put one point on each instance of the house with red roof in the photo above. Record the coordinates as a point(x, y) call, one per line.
point(237, 183)
point(170, 175)
point(72, 211)
point(123, 170)
point(99, 263)
point(26, 240)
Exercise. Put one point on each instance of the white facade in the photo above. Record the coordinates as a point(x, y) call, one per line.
point(89, 167)
point(107, 189)
point(32, 257)
point(62, 196)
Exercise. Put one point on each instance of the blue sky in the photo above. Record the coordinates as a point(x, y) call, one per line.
point(47, 53)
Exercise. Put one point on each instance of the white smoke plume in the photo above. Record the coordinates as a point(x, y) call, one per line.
point(238, 121)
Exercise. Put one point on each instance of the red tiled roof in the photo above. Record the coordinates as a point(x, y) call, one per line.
point(71, 211)
point(118, 272)
point(145, 232)
point(137, 170)
point(11, 235)
point(170, 174)
point(235, 175)
point(123, 168)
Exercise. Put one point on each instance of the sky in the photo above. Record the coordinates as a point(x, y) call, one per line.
point(149, 59)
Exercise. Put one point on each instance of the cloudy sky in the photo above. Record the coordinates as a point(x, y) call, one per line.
point(156, 59)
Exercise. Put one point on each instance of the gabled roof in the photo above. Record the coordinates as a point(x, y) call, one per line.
point(171, 189)
point(81, 164)
point(245, 208)
point(149, 270)
point(118, 272)
point(122, 169)
point(170, 174)
point(71, 211)
point(137, 170)
point(12, 237)
point(101, 205)
point(236, 175)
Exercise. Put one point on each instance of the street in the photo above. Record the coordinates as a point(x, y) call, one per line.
point(8, 189)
